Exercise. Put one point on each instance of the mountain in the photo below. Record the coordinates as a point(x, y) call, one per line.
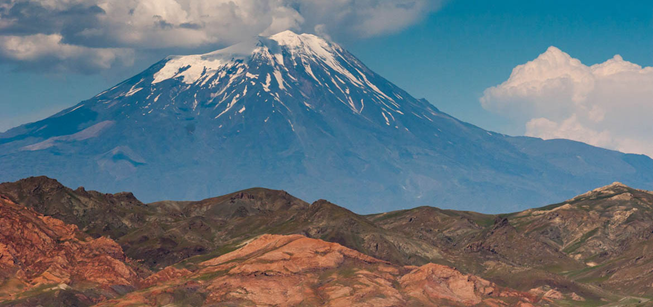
point(164, 233)
point(46, 262)
point(591, 248)
point(41, 256)
point(95, 213)
point(299, 113)
point(609, 229)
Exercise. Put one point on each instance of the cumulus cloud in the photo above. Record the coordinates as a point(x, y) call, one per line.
point(556, 96)
point(97, 30)
point(41, 51)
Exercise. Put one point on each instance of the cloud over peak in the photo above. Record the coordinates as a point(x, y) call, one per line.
point(556, 96)
point(96, 30)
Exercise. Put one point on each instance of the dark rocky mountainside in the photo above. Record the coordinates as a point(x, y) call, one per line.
point(95, 213)
point(46, 262)
point(41, 256)
point(297, 112)
point(592, 248)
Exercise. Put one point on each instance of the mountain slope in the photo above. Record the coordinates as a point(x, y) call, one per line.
point(610, 229)
point(298, 271)
point(97, 214)
point(299, 113)
point(593, 247)
point(44, 261)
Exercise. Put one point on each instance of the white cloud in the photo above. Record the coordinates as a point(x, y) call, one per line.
point(144, 25)
point(556, 96)
point(50, 51)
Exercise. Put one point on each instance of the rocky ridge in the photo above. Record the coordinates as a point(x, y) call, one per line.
point(39, 252)
point(46, 261)
point(591, 248)
point(295, 270)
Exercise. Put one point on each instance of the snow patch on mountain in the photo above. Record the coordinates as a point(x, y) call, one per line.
point(307, 52)
point(191, 68)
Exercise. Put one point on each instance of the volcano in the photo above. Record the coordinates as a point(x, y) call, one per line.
point(299, 113)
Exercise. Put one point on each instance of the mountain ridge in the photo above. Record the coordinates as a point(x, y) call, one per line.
point(589, 248)
point(46, 262)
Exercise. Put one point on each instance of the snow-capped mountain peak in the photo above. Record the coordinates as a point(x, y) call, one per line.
point(300, 113)
point(289, 72)
point(190, 68)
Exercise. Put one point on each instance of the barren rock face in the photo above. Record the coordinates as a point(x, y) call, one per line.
point(163, 276)
point(37, 250)
point(289, 255)
point(432, 282)
point(95, 213)
point(295, 270)
point(437, 281)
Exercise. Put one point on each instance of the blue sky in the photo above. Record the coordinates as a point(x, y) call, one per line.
point(450, 56)
point(468, 46)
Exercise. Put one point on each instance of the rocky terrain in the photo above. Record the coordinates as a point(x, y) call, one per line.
point(40, 255)
point(295, 270)
point(44, 261)
point(95, 213)
point(592, 249)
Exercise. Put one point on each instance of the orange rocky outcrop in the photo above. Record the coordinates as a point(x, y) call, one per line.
point(165, 275)
point(37, 250)
point(433, 281)
point(295, 270)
